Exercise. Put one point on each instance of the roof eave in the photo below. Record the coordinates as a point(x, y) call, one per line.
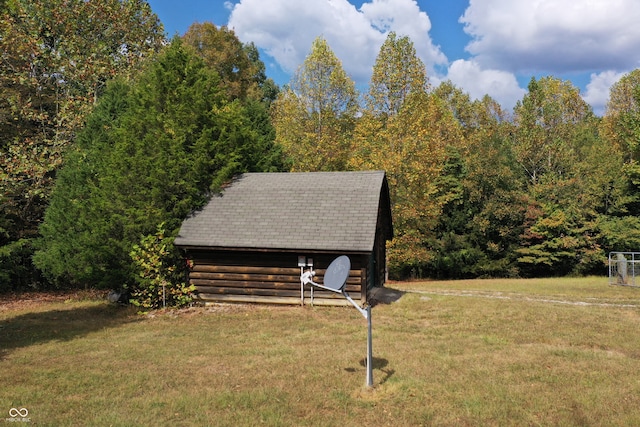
point(188, 247)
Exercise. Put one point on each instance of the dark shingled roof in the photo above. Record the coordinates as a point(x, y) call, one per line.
point(333, 211)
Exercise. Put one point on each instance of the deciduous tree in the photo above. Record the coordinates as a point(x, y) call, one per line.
point(481, 224)
point(241, 71)
point(620, 128)
point(314, 117)
point(621, 122)
point(57, 56)
point(405, 131)
point(557, 145)
point(547, 120)
point(397, 73)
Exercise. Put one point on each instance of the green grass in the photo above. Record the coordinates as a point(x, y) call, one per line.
point(491, 352)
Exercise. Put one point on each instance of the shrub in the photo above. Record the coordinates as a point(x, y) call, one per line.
point(158, 281)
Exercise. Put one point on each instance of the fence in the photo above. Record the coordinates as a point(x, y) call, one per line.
point(624, 267)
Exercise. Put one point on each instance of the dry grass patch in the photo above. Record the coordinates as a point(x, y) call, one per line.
point(445, 353)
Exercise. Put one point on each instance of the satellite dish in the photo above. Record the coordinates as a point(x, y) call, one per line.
point(335, 279)
point(337, 273)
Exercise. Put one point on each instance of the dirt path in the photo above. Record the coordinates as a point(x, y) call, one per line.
point(593, 302)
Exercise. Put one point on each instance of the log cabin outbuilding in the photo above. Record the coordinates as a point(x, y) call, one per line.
point(249, 243)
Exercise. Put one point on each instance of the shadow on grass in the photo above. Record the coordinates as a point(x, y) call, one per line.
point(378, 364)
point(60, 325)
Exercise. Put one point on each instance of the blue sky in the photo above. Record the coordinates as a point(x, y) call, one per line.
point(483, 46)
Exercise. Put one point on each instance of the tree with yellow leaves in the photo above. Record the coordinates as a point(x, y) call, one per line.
point(314, 117)
point(397, 73)
point(621, 122)
point(405, 130)
point(242, 73)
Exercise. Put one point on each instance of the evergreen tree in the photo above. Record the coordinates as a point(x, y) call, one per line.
point(152, 151)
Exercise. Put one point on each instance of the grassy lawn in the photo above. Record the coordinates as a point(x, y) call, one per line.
point(481, 352)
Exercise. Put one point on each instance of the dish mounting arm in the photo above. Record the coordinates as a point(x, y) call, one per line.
point(307, 279)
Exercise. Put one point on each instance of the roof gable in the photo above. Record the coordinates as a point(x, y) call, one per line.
point(333, 211)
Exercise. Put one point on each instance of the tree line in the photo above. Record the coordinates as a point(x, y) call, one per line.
point(547, 189)
point(112, 135)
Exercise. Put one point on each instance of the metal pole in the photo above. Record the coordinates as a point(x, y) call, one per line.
point(366, 312)
point(301, 286)
point(369, 350)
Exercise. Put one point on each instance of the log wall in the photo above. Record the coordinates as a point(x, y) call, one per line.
point(267, 277)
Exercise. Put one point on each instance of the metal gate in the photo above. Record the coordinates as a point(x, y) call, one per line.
point(624, 268)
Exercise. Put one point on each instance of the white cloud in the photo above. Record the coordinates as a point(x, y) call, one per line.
point(406, 19)
point(500, 85)
point(509, 38)
point(597, 93)
point(554, 35)
point(285, 29)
